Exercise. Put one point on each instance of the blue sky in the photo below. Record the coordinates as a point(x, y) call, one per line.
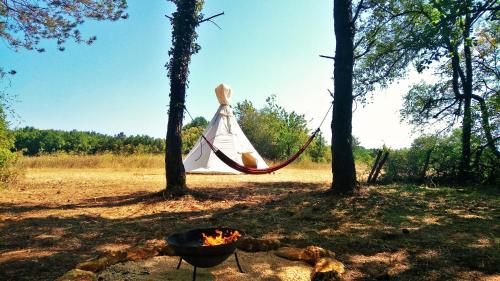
point(119, 84)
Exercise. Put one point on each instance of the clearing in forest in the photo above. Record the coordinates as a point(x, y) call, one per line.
point(57, 217)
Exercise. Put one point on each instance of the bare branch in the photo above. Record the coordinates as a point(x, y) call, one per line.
point(444, 109)
point(358, 10)
point(488, 6)
point(331, 94)
point(327, 57)
point(368, 48)
point(209, 18)
point(215, 24)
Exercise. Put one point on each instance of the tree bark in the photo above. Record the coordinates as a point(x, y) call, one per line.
point(427, 159)
point(343, 169)
point(184, 21)
point(464, 172)
point(174, 169)
point(485, 116)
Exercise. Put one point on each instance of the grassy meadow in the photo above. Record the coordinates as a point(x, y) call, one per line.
point(66, 209)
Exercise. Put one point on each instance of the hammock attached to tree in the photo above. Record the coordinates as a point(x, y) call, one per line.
point(254, 171)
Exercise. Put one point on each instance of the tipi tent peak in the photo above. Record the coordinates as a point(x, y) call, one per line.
point(224, 133)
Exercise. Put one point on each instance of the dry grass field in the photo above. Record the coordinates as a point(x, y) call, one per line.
point(64, 211)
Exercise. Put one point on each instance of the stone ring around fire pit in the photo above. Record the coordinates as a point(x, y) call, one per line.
point(205, 247)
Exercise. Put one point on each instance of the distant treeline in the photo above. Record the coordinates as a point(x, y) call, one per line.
point(31, 141)
point(275, 132)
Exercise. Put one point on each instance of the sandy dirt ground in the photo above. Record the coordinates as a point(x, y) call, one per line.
point(256, 266)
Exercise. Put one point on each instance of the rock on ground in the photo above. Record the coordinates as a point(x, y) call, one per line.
point(310, 254)
point(78, 275)
point(327, 269)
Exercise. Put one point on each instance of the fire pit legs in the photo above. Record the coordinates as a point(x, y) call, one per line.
point(237, 262)
point(179, 265)
point(194, 270)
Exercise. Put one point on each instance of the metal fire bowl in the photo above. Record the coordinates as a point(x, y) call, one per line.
point(189, 246)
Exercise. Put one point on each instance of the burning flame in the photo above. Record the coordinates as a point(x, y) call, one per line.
point(220, 238)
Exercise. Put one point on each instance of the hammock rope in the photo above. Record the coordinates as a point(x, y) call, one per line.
point(255, 171)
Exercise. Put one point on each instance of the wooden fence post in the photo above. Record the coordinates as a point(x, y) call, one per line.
point(379, 154)
point(379, 167)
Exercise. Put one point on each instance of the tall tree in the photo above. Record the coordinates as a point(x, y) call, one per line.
point(357, 35)
point(462, 44)
point(276, 132)
point(437, 34)
point(184, 22)
point(343, 169)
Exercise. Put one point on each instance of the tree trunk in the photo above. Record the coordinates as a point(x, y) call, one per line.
point(464, 172)
point(184, 22)
point(174, 169)
point(426, 164)
point(485, 122)
point(343, 169)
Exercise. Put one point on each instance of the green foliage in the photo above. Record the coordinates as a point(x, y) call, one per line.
point(319, 150)
point(407, 164)
point(24, 23)
point(362, 154)
point(192, 132)
point(444, 153)
point(440, 105)
point(277, 133)
point(458, 41)
point(31, 142)
point(381, 44)
point(199, 121)
point(7, 157)
point(189, 138)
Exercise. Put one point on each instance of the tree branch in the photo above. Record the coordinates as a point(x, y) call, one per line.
point(358, 10)
point(368, 48)
point(209, 18)
point(486, 124)
point(215, 24)
point(488, 6)
point(327, 57)
point(444, 109)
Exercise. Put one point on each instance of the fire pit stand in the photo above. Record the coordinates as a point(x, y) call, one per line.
point(189, 246)
point(194, 270)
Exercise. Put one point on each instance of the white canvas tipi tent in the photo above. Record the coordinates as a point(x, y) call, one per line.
point(225, 134)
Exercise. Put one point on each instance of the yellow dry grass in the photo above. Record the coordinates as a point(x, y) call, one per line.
point(122, 161)
point(111, 161)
